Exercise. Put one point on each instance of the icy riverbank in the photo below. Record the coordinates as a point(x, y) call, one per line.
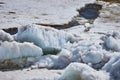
point(87, 51)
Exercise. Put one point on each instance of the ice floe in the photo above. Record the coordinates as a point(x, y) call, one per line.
point(21, 54)
point(45, 37)
point(112, 41)
point(92, 57)
point(79, 71)
point(16, 13)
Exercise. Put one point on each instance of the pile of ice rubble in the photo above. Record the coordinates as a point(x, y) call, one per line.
point(87, 59)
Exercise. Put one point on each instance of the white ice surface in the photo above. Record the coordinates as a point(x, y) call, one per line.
point(44, 37)
point(58, 61)
point(113, 66)
point(112, 44)
point(39, 11)
point(79, 71)
point(89, 51)
point(11, 50)
point(26, 74)
point(92, 57)
point(88, 43)
point(112, 41)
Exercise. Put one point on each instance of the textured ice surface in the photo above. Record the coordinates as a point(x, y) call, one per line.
point(92, 57)
point(87, 50)
point(79, 71)
point(112, 41)
point(113, 67)
point(14, 54)
point(112, 44)
point(77, 44)
point(44, 37)
point(9, 50)
point(15, 13)
point(54, 61)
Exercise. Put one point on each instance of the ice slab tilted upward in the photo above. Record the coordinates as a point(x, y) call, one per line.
point(44, 37)
point(79, 71)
